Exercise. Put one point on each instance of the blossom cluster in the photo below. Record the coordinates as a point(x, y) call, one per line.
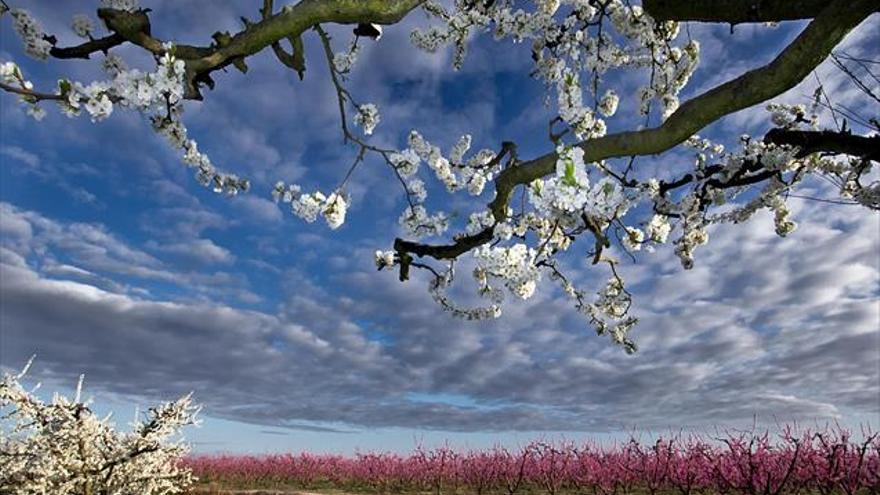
point(454, 171)
point(569, 194)
point(514, 265)
point(568, 39)
point(157, 94)
point(82, 26)
point(31, 33)
point(438, 287)
point(308, 206)
point(63, 447)
point(367, 117)
point(791, 116)
point(344, 61)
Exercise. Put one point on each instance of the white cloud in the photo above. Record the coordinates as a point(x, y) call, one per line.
point(203, 251)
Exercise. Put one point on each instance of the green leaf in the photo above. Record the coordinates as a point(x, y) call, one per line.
point(64, 87)
point(568, 178)
point(608, 189)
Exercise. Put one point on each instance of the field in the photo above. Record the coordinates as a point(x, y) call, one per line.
point(826, 461)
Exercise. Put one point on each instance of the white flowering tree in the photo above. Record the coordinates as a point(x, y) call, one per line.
point(62, 447)
point(586, 194)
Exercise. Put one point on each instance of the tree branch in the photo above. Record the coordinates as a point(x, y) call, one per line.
point(86, 49)
point(135, 27)
point(791, 66)
point(447, 251)
point(735, 11)
point(29, 94)
point(839, 143)
point(292, 21)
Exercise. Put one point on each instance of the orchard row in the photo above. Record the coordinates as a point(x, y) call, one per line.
point(832, 460)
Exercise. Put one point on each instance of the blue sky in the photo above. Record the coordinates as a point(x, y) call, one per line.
point(117, 264)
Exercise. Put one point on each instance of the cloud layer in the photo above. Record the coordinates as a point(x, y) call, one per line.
point(761, 326)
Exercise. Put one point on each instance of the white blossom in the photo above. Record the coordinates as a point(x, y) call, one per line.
point(113, 64)
point(36, 112)
point(633, 239)
point(658, 229)
point(608, 103)
point(477, 222)
point(405, 162)
point(82, 25)
point(334, 210)
point(417, 191)
point(384, 259)
point(514, 265)
point(9, 73)
point(308, 206)
point(790, 116)
point(344, 61)
point(417, 223)
point(460, 148)
point(367, 117)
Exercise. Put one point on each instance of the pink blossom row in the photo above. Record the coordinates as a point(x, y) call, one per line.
point(824, 461)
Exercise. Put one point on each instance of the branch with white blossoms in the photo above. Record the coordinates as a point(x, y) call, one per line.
point(63, 447)
point(158, 95)
point(570, 37)
point(31, 33)
point(609, 313)
point(438, 286)
point(595, 199)
point(334, 206)
point(474, 172)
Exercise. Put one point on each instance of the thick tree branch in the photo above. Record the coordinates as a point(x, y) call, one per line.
point(447, 251)
point(295, 59)
point(839, 143)
point(86, 49)
point(791, 66)
point(735, 11)
point(291, 22)
point(135, 27)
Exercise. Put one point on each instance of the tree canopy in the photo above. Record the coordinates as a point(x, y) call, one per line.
point(586, 194)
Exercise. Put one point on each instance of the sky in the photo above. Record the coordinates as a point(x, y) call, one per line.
point(115, 263)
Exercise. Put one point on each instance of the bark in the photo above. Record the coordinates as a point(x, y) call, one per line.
point(837, 143)
point(736, 11)
point(292, 21)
